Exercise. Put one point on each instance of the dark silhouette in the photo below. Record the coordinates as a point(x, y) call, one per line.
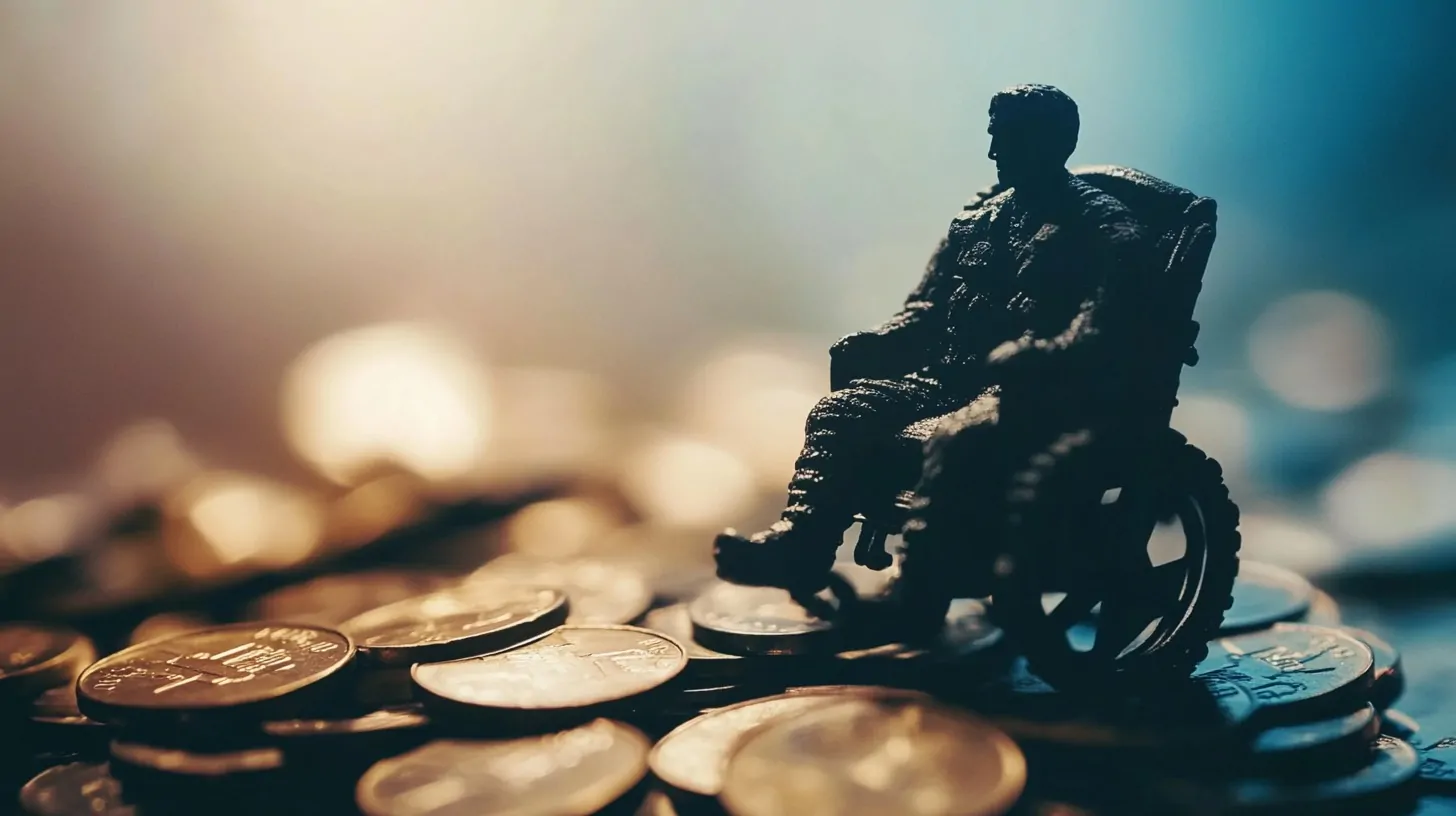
point(1056, 311)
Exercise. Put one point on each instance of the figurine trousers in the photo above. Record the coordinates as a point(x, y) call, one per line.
point(841, 436)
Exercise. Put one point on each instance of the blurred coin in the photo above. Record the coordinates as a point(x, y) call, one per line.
point(1438, 764)
point(1329, 743)
point(872, 756)
point(600, 592)
point(692, 757)
point(968, 632)
point(570, 773)
point(34, 657)
point(573, 669)
point(76, 789)
point(329, 600)
point(166, 624)
point(454, 623)
point(703, 663)
point(57, 722)
point(347, 746)
point(1264, 595)
point(1389, 678)
point(1323, 611)
point(131, 757)
point(1295, 671)
point(246, 667)
point(1400, 725)
point(761, 621)
point(1389, 771)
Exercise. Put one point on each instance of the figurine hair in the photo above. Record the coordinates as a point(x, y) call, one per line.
point(1053, 112)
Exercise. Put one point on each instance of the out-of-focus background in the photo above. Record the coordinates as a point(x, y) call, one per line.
point(493, 244)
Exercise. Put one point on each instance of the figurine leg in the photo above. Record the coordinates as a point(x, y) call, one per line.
point(946, 551)
point(798, 549)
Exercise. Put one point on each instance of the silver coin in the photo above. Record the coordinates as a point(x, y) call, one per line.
point(871, 756)
point(601, 592)
point(1295, 670)
point(1344, 735)
point(227, 667)
point(76, 788)
point(692, 757)
point(760, 621)
point(573, 667)
point(1389, 680)
point(570, 773)
point(1392, 766)
point(1265, 595)
point(454, 623)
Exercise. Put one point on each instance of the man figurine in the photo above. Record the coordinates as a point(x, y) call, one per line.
point(1019, 310)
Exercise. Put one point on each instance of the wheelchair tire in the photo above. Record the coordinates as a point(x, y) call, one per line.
point(1190, 484)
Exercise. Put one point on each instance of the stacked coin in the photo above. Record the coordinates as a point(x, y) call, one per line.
point(532, 687)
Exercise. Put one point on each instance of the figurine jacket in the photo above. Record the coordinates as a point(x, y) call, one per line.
point(1021, 289)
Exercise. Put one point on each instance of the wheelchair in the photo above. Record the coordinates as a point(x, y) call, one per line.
point(1061, 544)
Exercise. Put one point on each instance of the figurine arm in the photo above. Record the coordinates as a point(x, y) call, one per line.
point(900, 344)
point(1111, 307)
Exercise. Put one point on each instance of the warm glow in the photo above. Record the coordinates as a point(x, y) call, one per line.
point(394, 394)
point(143, 461)
point(560, 528)
point(236, 519)
point(682, 482)
point(547, 422)
point(1392, 498)
point(1324, 351)
point(43, 527)
point(752, 399)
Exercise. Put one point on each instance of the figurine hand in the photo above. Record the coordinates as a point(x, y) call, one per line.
point(753, 563)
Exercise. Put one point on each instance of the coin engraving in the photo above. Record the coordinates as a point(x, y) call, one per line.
point(1292, 664)
point(223, 666)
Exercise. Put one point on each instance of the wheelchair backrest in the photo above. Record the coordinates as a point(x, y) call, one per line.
point(1184, 225)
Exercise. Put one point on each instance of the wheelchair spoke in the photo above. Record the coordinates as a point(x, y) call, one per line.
point(1073, 609)
point(1118, 626)
point(1167, 582)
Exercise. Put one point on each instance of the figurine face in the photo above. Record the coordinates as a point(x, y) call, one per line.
point(1019, 151)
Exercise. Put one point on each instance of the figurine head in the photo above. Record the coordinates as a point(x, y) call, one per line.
point(1033, 132)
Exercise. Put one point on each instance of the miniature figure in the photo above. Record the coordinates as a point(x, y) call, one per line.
point(1024, 392)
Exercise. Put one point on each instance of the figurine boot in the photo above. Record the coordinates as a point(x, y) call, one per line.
point(796, 553)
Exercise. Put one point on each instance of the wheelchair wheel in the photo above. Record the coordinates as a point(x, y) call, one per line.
point(1129, 613)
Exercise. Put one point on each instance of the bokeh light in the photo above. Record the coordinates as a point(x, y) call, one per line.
point(401, 394)
point(43, 527)
point(679, 481)
point(1392, 498)
point(561, 528)
point(1325, 351)
point(1220, 426)
point(222, 521)
point(143, 462)
point(548, 423)
point(751, 398)
point(1288, 541)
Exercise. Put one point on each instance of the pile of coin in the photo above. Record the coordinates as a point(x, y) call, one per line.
point(571, 688)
